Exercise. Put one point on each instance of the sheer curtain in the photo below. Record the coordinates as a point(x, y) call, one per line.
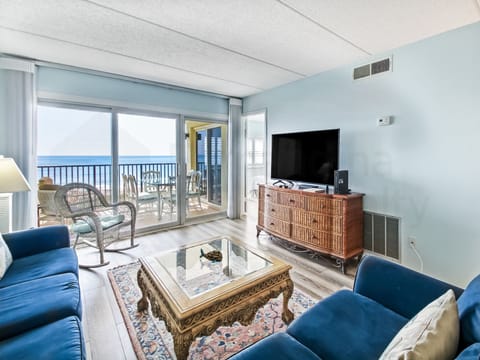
point(234, 209)
point(18, 132)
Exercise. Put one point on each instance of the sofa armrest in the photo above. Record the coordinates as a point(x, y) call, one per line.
point(398, 288)
point(33, 241)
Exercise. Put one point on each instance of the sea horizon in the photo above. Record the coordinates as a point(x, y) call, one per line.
point(59, 160)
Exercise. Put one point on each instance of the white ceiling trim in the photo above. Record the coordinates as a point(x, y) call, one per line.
point(49, 96)
point(324, 27)
point(17, 65)
point(195, 38)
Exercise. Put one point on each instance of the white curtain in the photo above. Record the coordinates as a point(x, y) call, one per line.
point(234, 209)
point(18, 132)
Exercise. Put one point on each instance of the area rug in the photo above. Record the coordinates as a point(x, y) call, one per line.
point(151, 340)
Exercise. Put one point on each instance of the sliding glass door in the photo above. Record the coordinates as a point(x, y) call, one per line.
point(206, 175)
point(147, 163)
point(137, 157)
point(74, 145)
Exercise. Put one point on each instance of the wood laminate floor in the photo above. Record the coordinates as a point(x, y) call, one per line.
point(105, 333)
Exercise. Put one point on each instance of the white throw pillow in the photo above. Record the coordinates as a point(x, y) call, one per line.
point(431, 334)
point(5, 257)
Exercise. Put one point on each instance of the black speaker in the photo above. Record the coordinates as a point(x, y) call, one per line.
point(340, 181)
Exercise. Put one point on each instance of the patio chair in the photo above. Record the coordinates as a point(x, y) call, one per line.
point(194, 187)
point(127, 193)
point(141, 198)
point(149, 181)
point(47, 209)
point(95, 221)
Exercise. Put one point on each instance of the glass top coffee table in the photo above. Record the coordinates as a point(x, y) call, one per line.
point(195, 295)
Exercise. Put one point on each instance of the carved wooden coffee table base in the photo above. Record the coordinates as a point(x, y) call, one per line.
point(220, 308)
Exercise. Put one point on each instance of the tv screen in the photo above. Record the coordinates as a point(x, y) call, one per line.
point(309, 157)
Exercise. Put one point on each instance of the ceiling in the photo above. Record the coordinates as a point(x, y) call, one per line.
point(231, 47)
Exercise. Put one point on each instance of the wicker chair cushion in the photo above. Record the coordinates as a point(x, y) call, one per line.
point(82, 227)
point(146, 196)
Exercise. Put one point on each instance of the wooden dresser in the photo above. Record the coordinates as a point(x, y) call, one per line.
point(327, 223)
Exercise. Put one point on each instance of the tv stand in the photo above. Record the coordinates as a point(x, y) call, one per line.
point(284, 183)
point(326, 223)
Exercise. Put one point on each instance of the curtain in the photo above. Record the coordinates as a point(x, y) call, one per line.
point(18, 132)
point(234, 209)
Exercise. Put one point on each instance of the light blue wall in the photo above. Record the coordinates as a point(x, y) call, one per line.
point(424, 168)
point(118, 90)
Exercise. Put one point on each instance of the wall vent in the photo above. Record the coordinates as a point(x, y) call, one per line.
point(371, 69)
point(381, 234)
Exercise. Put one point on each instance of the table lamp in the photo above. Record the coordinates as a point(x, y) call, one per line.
point(11, 180)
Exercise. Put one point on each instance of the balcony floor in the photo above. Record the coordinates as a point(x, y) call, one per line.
point(147, 215)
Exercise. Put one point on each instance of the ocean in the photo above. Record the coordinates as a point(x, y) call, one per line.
point(102, 160)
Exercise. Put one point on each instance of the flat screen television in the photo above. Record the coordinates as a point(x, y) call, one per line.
point(309, 157)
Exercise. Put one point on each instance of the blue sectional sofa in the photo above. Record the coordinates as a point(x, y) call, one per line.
point(40, 304)
point(359, 324)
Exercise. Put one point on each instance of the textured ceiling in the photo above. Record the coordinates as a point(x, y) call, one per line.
point(231, 47)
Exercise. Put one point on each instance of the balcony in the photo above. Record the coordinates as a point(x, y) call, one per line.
point(100, 176)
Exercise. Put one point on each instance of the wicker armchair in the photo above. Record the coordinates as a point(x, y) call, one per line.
point(95, 221)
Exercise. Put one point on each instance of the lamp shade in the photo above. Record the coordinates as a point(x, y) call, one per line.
point(11, 178)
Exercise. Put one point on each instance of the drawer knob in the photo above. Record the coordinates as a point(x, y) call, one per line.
point(273, 210)
point(314, 221)
point(292, 200)
point(268, 195)
point(272, 223)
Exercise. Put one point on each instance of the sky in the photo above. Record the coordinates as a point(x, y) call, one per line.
point(64, 131)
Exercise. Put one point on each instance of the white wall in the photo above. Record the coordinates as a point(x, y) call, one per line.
point(425, 168)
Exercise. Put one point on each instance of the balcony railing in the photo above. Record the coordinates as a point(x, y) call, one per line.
point(100, 176)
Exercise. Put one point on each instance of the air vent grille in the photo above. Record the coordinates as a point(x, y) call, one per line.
point(361, 72)
point(380, 66)
point(381, 234)
point(374, 68)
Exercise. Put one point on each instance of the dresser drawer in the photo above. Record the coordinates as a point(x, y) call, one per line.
point(313, 220)
point(292, 200)
point(337, 224)
point(278, 211)
point(271, 196)
point(337, 206)
point(319, 204)
point(319, 240)
point(278, 226)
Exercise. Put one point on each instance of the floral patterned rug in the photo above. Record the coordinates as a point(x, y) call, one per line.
point(151, 340)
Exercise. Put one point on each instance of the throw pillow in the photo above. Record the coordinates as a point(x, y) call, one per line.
point(5, 257)
point(431, 334)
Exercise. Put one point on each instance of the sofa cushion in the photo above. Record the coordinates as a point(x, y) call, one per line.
point(60, 340)
point(5, 257)
point(431, 334)
point(279, 346)
point(44, 264)
point(347, 326)
point(469, 312)
point(38, 302)
point(470, 353)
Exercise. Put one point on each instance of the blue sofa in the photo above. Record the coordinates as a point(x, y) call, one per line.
point(359, 324)
point(40, 305)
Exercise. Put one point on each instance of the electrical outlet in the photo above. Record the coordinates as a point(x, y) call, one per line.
point(412, 241)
